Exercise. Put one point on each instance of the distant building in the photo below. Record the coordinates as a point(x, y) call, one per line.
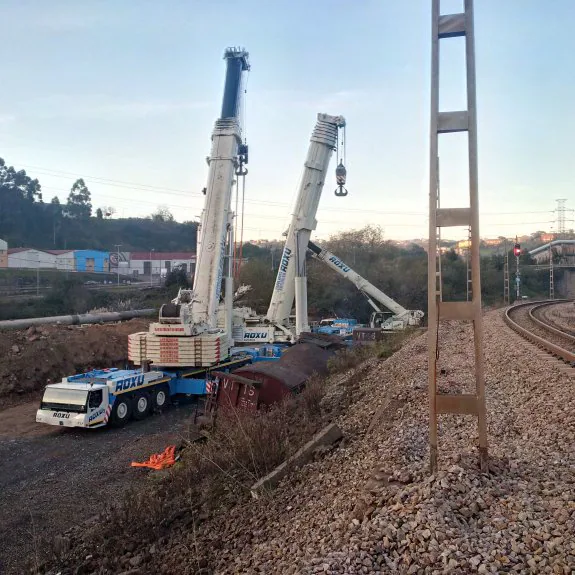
point(492, 243)
point(3, 254)
point(64, 259)
point(98, 261)
point(91, 261)
point(30, 258)
point(159, 263)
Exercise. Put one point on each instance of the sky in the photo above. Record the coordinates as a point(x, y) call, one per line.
point(125, 95)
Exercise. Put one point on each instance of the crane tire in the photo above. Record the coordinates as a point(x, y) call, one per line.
point(121, 411)
point(142, 405)
point(160, 397)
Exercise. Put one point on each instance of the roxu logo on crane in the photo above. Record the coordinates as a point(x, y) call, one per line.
point(255, 335)
point(283, 269)
point(339, 264)
point(130, 382)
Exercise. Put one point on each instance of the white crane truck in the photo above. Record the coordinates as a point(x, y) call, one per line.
point(114, 396)
point(186, 343)
point(290, 284)
point(400, 318)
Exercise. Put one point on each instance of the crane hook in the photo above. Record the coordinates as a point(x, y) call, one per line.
point(340, 175)
point(241, 170)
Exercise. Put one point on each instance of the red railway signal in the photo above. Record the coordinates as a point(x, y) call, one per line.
point(516, 250)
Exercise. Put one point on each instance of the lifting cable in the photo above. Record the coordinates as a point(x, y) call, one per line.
point(240, 260)
point(239, 255)
point(235, 252)
point(340, 171)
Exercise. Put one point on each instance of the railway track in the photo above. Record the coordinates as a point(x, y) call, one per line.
point(527, 319)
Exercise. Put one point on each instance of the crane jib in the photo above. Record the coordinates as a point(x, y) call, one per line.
point(337, 262)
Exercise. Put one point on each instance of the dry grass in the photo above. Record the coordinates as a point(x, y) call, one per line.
point(353, 356)
point(241, 448)
point(218, 473)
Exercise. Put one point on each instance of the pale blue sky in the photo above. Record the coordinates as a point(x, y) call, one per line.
point(127, 91)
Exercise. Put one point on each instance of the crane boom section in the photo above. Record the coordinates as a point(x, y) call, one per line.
point(210, 259)
point(322, 144)
point(360, 283)
point(223, 161)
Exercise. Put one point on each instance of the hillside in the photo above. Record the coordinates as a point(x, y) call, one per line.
point(27, 221)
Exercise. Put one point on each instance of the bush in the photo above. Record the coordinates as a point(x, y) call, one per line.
point(177, 277)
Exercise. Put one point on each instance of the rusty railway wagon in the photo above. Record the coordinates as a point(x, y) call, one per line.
point(252, 387)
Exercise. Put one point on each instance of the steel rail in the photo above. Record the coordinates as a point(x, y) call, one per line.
point(548, 326)
point(556, 350)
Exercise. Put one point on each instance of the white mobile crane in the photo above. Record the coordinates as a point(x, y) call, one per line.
point(291, 278)
point(401, 317)
point(187, 333)
point(186, 342)
point(277, 326)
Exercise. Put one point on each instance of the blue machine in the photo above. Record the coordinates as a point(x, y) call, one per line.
point(336, 326)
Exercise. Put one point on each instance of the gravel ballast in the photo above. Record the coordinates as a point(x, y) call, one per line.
point(370, 505)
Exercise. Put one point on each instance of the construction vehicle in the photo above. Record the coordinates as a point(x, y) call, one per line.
point(187, 333)
point(291, 281)
point(336, 326)
point(278, 325)
point(186, 343)
point(397, 319)
point(114, 396)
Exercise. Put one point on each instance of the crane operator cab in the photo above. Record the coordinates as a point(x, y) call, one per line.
point(378, 318)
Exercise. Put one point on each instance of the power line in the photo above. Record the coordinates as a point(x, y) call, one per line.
point(182, 192)
point(268, 216)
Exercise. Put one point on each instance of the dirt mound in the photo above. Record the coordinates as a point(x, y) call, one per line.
point(37, 356)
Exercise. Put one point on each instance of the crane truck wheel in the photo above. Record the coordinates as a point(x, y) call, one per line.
point(142, 405)
point(160, 397)
point(121, 411)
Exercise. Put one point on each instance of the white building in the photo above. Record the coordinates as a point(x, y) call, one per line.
point(158, 263)
point(30, 258)
point(3, 254)
point(64, 259)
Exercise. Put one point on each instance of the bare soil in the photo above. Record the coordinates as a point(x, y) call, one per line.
point(52, 479)
point(35, 357)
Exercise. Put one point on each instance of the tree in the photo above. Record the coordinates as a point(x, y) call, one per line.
point(56, 209)
point(162, 214)
point(25, 221)
point(19, 180)
point(79, 203)
point(99, 214)
point(177, 277)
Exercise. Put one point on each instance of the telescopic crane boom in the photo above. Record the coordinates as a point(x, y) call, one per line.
point(401, 317)
point(227, 157)
point(323, 142)
point(187, 332)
